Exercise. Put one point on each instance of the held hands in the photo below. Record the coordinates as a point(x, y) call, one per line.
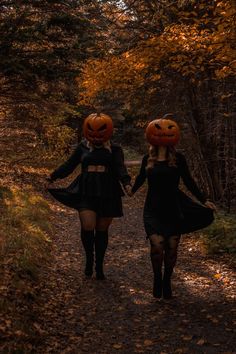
point(128, 190)
point(48, 180)
point(210, 205)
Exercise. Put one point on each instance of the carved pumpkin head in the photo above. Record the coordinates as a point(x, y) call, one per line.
point(163, 132)
point(98, 128)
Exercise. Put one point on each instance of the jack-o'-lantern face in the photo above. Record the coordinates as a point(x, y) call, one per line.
point(163, 132)
point(98, 128)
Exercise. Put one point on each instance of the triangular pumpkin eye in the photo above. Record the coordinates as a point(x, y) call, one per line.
point(157, 126)
point(171, 126)
point(102, 127)
point(89, 127)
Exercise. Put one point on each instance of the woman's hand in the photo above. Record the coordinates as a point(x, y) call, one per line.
point(49, 180)
point(128, 190)
point(210, 205)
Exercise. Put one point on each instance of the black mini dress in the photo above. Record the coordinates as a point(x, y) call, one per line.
point(97, 191)
point(167, 210)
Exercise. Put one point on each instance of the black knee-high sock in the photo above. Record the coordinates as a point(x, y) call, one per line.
point(157, 258)
point(101, 243)
point(87, 238)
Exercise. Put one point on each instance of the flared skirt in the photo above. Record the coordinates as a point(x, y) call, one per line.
point(103, 206)
point(184, 216)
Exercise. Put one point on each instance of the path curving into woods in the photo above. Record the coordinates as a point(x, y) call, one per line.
point(119, 315)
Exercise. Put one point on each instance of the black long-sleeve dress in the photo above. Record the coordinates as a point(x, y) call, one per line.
point(98, 191)
point(168, 211)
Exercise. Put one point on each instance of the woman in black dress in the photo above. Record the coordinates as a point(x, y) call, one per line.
point(168, 212)
point(96, 193)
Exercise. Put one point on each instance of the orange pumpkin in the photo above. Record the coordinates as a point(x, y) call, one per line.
point(98, 128)
point(163, 132)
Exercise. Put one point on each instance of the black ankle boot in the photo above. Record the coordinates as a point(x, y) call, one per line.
point(100, 275)
point(101, 242)
point(87, 238)
point(157, 286)
point(167, 291)
point(88, 272)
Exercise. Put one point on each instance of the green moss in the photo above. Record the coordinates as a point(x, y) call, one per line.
point(26, 229)
point(220, 237)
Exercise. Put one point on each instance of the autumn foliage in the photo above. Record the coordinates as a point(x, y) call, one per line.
point(192, 46)
point(181, 59)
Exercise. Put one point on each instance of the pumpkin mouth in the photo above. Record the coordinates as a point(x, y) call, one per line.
point(95, 137)
point(164, 135)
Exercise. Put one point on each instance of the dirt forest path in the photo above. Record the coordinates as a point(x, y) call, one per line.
point(119, 315)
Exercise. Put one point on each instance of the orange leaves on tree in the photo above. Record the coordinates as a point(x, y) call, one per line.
point(192, 47)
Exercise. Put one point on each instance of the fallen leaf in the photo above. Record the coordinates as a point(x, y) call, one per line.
point(117, 346)
point(181, 351)
point(214, 320)
point(8, 323)
point(19, 333)
point(38, 328)
point(187, 337)
point(137, 345)
point(217, 276)
point(120, 308)
point(228, 329)
point(201, 341)
point(148, 342)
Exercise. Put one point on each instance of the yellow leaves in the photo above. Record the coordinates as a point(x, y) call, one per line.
point(217, 276)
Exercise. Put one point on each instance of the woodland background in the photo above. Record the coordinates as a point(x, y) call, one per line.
point(135, 60)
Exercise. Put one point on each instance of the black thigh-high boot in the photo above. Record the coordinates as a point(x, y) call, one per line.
point(87, 238)
point(101, 243)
